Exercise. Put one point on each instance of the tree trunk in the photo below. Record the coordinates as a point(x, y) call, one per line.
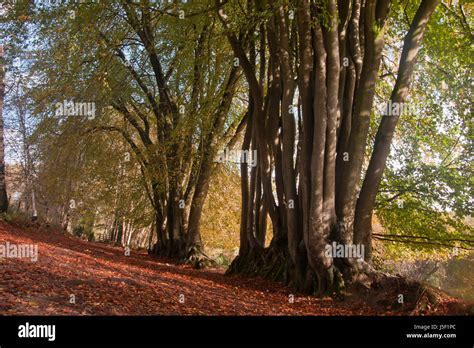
point(336, 49)
point(3, 185)
point(384, 137)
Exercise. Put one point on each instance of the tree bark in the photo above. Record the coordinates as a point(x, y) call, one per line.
point(384, 137)
point(330, 55)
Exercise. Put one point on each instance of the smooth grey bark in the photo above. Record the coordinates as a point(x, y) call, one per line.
point(384, 137)
point(363, 102)
point(336, 102)
point(193, 239)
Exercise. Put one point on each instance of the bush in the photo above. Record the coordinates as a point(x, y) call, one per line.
point(17, 218)
point(81, 230)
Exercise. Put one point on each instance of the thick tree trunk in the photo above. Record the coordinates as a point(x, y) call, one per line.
point(316, 188)
point(384, 137)
point(194, 246)
point(362, 107)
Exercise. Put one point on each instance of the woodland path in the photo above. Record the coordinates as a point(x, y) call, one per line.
point(106, 282)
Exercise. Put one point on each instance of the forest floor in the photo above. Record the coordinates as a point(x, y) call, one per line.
point(102, 280)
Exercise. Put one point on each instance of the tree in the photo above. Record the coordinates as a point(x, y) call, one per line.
point(171, 97)
point(163, 84)
point(3, 187)
point(325, 55)
point(424, 201)
point(21, 125)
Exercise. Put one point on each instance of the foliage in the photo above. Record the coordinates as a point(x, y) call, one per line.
point(428, 185)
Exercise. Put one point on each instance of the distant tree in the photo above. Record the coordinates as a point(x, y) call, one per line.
point(3, 187)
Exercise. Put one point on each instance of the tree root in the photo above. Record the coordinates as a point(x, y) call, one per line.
point(196, 257)
point(351, 278)
point(394, 292)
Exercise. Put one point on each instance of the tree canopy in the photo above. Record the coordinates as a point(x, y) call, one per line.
point(351, 120)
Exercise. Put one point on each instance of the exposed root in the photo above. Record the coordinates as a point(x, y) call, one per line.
point(395, 292)
point(269, 263)
point(345, 279)
point(196, 257)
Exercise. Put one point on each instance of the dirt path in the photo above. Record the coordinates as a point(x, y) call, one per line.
point(103, 281)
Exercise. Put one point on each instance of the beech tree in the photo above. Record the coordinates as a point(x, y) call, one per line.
point(161, 78)
point(3, 186)
point(298, 82)
point(311, 101)
point(21, 147)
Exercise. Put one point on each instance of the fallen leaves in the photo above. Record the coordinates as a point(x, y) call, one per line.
point(106, 282)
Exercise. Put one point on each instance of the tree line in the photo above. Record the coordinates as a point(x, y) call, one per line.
point(296, 82)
